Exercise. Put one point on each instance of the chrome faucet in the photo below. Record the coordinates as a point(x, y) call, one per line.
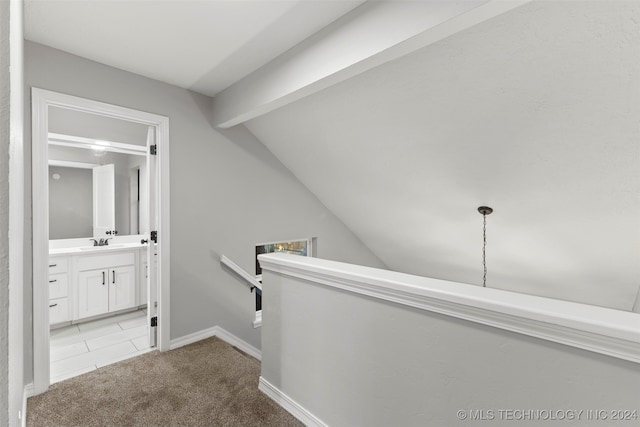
point(101, 242)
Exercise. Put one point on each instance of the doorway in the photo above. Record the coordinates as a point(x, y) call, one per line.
point(106, 279)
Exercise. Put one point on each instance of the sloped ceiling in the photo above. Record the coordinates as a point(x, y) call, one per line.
point(534, 113)
point(204, 46)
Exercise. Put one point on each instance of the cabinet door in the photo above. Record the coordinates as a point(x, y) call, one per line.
point(122, 287)
point(93, 293)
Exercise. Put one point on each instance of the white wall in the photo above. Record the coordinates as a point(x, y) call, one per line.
point(354, 360)
point(76, 123)
point(228, 192)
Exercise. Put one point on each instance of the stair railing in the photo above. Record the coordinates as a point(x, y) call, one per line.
point(251, 281)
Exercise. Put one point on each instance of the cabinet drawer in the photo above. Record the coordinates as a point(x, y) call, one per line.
point(57, 265)
point(95, 262)
point(58, 310)
point(58, 286)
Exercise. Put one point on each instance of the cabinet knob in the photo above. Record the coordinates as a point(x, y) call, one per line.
point(52, 305)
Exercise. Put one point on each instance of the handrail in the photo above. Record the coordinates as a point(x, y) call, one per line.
point(253, 283)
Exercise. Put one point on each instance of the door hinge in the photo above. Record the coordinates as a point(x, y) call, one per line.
point(154, 321)
point(153, 149)
point(154, 236)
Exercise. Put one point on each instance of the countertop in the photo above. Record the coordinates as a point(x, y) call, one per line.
point(96, 249)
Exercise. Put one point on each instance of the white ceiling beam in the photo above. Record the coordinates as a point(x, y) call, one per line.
point(372, 34)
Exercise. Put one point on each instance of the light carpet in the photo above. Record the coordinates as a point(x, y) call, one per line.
point(208, 383)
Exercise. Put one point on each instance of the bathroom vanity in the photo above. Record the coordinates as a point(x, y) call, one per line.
point(90, 281)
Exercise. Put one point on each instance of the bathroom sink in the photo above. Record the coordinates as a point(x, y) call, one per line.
point(93, 248)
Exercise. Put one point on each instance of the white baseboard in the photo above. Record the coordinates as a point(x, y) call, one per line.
point(293, 407)
point(26, 393)
point(223, 334)
point(229, 338)
point(29, 390)
point(194, 337)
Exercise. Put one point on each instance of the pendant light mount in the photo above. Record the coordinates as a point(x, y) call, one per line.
point(485, 210)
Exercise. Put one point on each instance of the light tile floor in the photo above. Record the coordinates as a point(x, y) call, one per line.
point(77, 349)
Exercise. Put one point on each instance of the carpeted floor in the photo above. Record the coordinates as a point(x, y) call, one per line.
point(208, 383)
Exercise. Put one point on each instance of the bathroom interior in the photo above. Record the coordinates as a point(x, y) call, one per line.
point(98, 241)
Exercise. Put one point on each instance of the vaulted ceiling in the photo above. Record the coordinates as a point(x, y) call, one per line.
point(534, 113)
point(403, 133)
point(200, 45)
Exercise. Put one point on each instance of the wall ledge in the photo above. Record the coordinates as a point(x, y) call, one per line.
point(601, 330)
point(258, 320)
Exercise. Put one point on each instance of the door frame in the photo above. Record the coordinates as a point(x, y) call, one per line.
point(41, 100)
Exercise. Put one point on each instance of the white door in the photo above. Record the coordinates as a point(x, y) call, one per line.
point(122, 287)
point(93, 293)
point(152, 291)
point(142, 283)
point(104, 200)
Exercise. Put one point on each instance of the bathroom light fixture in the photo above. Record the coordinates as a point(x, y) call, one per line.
point(99, 147)
point(98, 151)
point(484, 210)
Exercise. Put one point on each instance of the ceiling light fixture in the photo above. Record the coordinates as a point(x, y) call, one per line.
point(484, 210)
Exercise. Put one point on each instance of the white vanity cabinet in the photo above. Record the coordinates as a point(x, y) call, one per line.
point(105, 283)
point(59, 290)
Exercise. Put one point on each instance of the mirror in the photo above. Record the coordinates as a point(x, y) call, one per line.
point(96, 183)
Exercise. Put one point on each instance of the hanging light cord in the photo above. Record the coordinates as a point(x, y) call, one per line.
point(484, 210)
point(484, 249)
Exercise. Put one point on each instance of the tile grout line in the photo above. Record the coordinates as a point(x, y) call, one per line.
point(77, 330)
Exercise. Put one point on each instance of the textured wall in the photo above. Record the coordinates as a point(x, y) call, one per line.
point(228, 193)
point(5, 93)
point(11, 213)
